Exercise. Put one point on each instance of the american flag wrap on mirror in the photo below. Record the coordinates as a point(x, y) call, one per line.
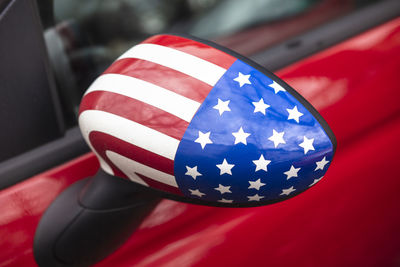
point(183, 117)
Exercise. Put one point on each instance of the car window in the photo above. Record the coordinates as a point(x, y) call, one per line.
point(228, 17)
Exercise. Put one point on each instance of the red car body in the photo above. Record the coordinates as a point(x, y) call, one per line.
point(351, 218)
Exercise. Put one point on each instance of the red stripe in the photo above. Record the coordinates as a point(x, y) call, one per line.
point(103, 142)
point(135, 110)
point(164, 77)
point(194, 48)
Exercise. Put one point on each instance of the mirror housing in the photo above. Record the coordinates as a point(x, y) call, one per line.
point(204, 125)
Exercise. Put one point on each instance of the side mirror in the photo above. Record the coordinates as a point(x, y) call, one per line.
point(186, 119)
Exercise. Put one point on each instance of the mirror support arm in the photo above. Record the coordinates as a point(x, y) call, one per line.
point(90, 220)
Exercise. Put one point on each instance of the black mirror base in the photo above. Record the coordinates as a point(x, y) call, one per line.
point(89, 220)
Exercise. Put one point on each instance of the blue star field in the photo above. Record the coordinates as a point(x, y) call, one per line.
point(241, 88)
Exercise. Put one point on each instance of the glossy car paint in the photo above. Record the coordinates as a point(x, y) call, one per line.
point(351, 218)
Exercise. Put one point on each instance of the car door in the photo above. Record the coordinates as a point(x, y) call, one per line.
point(349, 219)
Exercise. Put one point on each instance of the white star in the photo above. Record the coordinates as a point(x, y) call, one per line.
point(203, 139)
point(294, 114)
point(321, 164)
point(277, 87)
point(292, 172)
point(242, 79)
point(315, 181)
point(256, 197)
point(223, 189)
point(222, 106)
point(288, 191)
point(192, 172)
point(223, 200)
point(261, 163)
point(256, 184)
point(225, 167)
point(260, 106)
point(240, 136)
point(196, 192)
point(277, 138)
point(307, 144)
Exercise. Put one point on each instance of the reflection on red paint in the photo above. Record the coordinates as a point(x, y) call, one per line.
point(314, 89)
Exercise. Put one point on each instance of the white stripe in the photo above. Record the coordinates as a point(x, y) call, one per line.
point(131, 167)
point(171, 102)
point(191, 65)
point(127, 130)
